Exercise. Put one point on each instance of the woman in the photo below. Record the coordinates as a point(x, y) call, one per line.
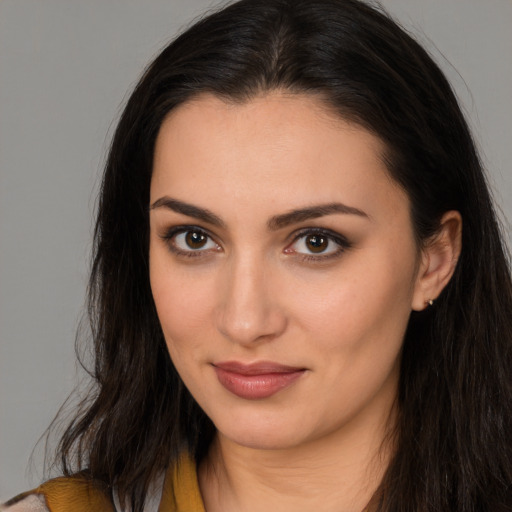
point(300, 297)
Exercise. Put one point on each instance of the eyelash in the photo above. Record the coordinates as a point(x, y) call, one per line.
point(342, 243)
point(171, 234)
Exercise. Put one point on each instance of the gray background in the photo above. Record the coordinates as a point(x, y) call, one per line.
point(65, 69)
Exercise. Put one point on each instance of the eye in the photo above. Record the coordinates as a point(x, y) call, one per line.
point(190, 242)
point(317, 244)
point(314, 243)
point(194, 241)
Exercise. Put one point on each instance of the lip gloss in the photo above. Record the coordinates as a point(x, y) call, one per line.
point(258, 380)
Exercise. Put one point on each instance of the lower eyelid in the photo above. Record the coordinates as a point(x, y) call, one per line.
point(321, 256)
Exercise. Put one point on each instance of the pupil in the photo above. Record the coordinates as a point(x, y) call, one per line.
point(316, 243)
point(195, 240)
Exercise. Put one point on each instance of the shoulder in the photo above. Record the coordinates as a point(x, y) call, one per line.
point(176, 490)
point(27, 502)
point(65, 494)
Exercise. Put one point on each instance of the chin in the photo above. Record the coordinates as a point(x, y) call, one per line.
point(262, 440)
point(262, 434)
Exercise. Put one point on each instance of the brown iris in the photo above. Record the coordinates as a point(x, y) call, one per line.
point(195, 239)
point(316, 243)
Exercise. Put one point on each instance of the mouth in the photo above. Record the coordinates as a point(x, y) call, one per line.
point(257, 380)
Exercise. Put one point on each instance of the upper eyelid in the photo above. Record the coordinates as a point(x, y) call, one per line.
point(176, 230)
point(333, 235)
point(296, 233)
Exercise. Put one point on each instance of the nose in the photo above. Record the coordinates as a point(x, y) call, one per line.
point(248, 310)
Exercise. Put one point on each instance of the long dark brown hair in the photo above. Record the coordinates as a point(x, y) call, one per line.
point(454, 430)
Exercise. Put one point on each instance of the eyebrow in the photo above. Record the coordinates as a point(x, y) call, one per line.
point(273, 224)
point(189, 210)
point(312, 212)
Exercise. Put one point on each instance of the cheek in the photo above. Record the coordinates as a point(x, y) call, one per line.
point(356, 330)
point(367, 309)
point(181, 305)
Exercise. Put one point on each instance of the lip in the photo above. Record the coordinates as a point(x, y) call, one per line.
point(258, 380)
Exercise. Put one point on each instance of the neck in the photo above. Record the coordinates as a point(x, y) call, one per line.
point(338, 472)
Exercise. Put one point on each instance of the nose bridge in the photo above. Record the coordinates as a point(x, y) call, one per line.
point(248, 309)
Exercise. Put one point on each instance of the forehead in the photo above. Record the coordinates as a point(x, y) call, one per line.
point(274, 149)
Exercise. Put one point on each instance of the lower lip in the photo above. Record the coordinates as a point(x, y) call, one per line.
point(255, 387)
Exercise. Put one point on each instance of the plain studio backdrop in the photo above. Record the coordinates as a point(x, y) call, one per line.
point(66, 67)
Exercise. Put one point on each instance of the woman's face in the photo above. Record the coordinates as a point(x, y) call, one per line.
point(283, 267)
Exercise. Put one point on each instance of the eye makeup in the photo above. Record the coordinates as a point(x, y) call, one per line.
point(190, 242)
point(311, 244)
point(317, 244)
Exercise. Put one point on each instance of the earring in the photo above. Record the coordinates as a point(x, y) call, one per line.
point(429, 302)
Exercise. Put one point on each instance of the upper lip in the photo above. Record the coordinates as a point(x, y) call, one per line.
point(257, 368)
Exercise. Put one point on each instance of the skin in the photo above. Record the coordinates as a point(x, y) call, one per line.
point(255, 291)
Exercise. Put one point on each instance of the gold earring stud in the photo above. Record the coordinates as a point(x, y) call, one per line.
point(429, 302)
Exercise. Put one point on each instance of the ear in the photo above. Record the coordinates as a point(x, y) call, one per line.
point(438, 260)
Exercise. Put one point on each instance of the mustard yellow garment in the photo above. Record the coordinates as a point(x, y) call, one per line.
point(74, 494)
point(78, 494)
point(181, 489)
